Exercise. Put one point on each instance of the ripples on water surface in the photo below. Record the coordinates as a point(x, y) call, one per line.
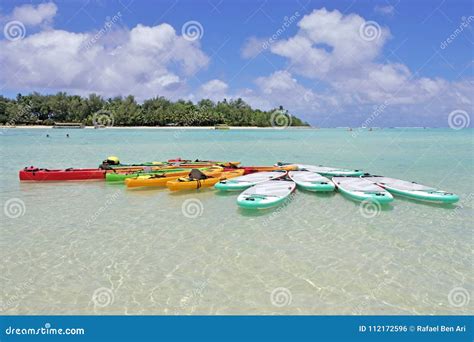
point(82, 248)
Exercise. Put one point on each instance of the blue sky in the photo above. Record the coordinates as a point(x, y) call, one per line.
point(322, 66)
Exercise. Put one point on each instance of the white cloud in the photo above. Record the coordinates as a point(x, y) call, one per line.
point(340, 54)
point(253, 46)
point(31, 15)
point(146, 61)
point(329, 44)
point(215, 90)
point(279, 81)
point(214, 86)
point(281, 88)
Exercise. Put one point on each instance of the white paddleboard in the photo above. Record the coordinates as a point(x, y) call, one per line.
point(413, 190)
point(361, 189)
point(311, 181)
point(243, 182)
point(326, 170)
point(266, 195)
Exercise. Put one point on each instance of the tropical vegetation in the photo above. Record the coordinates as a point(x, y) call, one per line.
point(37, 109)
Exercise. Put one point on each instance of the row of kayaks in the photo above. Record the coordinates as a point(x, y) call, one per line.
point(260, 186)
point(112, 170)
point(160, 177)
point(155, 177)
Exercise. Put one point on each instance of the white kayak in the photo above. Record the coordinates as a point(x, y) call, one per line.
point(311, 181)
point(361, 189)
point(413, 190)
point(325, 170)
point(266, 195)
point(244, 182)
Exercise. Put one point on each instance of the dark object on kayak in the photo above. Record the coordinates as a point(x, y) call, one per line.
point(197, 175)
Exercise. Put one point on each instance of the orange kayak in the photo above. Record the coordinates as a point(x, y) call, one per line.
point(192, 184)
point(162, 179)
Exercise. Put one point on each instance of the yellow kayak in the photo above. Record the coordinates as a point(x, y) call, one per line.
point(192, 184)
point(162, 178)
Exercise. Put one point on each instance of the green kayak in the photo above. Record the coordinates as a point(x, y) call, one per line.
point(120, 177)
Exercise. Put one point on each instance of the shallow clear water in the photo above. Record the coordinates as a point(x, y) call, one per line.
point(82, 248)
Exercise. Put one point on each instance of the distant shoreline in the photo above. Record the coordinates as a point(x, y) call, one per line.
point(212, 127)
point(158, 127)
point(230, 127)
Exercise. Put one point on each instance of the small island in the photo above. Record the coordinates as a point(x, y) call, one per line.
point(94, 110)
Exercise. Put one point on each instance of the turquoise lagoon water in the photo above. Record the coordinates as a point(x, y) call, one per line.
point(96, 248)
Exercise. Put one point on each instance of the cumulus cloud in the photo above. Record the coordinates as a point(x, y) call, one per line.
point(330, 44)
point(279, 88)
point(145, 61)
point(253, 46)
point(215, 90)
point(283, 86)
point(31, 15)
point(214, 86)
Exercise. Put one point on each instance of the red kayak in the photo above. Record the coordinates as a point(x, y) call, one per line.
point(35, 174)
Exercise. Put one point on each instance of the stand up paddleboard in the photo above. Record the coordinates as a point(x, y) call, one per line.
point(361, 189)
point(413, 190)
point(244, 182)
point(266, 195)
point(311, 181)
point(325, 170)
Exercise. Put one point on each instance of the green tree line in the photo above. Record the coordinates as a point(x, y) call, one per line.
point(37, 109)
